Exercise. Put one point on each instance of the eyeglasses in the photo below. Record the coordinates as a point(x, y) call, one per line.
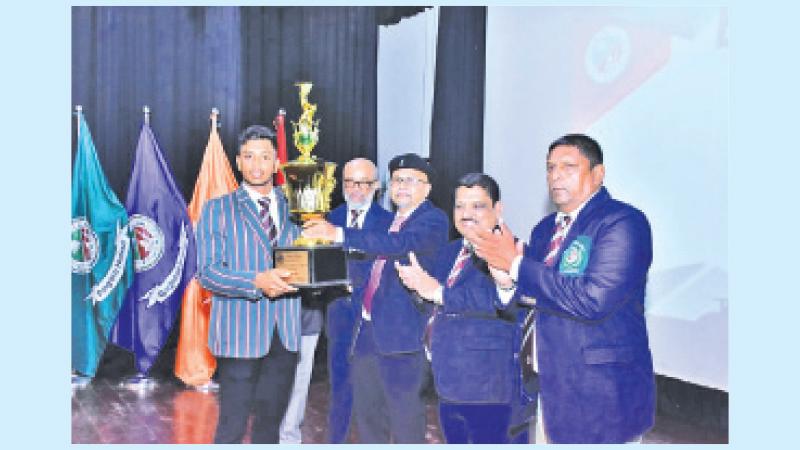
point(407, 181)
point(348, 183)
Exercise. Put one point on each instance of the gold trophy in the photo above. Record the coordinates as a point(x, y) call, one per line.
point(308, 188)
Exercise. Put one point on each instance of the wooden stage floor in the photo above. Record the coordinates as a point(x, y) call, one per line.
point(104, 412)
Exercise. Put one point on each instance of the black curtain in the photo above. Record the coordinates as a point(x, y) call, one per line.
point(182, 61)
point(457, 126)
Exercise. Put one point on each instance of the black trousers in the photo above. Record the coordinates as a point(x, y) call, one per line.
point(261, 385)
point(387, 393)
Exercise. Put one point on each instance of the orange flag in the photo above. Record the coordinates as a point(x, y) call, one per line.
point(280, 130)
point(194, 363)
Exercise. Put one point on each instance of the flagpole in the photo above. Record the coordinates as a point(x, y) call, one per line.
point(78, 112)
point(79, 381)
point(140, 381)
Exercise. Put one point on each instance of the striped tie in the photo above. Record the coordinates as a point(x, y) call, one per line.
point(558, 238)
point(354, 214)
point(377, 269)
point(266, 220)
point(530, 364)
point(461, 261)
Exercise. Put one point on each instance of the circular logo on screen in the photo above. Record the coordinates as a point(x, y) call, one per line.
point(85, 248)
point(149, 242)
point(607, 54)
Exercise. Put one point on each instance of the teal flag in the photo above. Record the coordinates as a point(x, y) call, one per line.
point(102, 264)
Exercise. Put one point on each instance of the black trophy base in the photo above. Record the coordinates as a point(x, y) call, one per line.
point(311, 267)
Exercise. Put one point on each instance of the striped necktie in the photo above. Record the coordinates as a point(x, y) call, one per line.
point(556, 240)
point(266, 220)
point(461, 261)
point(354, 215)
point(531, 364)
point(377, 269)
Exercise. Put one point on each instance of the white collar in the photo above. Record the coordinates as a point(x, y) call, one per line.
point(573, 216)
point(256, 196)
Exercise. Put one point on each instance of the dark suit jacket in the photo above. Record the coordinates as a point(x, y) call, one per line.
point(595, 368)
point(341, 317)
point(398, 317)
point(473, 349)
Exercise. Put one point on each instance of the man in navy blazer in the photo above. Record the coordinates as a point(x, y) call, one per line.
point(359, 183)
point(475, 340)
point(585, 271)
point(254, 328)
point(388, 364)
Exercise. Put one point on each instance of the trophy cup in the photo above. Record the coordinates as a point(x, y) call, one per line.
point(308, 188)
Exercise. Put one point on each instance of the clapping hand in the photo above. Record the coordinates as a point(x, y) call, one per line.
point(415, 278)
point(497, 247)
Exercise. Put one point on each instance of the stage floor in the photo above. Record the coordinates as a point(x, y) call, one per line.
point(104, 412)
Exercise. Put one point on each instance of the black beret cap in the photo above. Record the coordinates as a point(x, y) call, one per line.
point(412, 161)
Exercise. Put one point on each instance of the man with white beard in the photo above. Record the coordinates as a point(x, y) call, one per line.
point(359, 183)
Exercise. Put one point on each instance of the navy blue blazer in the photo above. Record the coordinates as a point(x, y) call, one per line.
point(472, 349)
point(398, 317)
point(377, 219)
point(595, 367)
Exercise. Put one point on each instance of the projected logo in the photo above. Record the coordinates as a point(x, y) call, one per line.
point(608, 54)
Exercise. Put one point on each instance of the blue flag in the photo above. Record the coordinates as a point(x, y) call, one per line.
point(102, 264)
point(163, 255)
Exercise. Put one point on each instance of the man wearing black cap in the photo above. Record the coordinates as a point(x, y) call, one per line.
point(389, 365)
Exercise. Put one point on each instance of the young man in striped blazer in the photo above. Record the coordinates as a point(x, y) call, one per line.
point(254, 329)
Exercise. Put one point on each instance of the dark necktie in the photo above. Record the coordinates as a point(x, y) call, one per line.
point(266, 220)
point(377, 269)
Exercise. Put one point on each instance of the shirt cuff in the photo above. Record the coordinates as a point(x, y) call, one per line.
point(514, 270)
point(339, 235)
point(438, 296)
point(506, 295)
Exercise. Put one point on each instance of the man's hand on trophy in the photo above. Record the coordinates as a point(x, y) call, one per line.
point(497, 247)
point(415, 278)
point(273, 282)
point(319, 229)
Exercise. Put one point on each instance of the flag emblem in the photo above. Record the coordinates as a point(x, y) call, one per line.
point(84, 246)
point(149, 242)
point(607, 54)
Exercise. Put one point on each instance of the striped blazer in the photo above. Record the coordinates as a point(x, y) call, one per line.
point(232, 247)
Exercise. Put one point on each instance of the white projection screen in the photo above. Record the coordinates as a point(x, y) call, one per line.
point(651, 85)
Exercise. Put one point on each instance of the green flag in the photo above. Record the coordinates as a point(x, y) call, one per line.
point(102, 263)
